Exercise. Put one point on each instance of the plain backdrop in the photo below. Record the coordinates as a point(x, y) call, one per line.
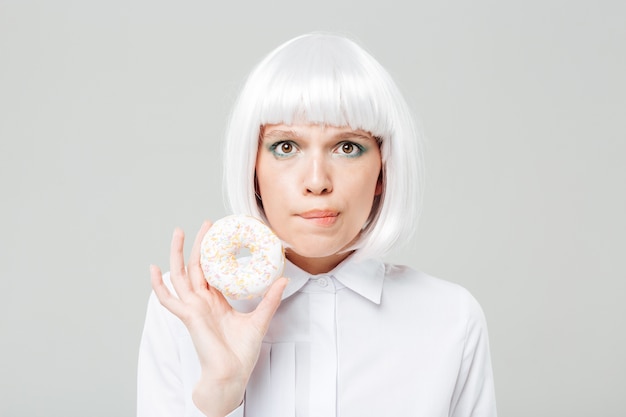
point(111, 119)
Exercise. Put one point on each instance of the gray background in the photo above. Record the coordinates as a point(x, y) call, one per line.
point(111, 115)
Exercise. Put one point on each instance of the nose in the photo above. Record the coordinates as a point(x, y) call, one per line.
point(317, 176)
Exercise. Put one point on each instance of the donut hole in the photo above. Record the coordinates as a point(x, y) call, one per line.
point(243, 253)
point(243, 256)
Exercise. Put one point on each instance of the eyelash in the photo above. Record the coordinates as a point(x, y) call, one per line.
point(276, 146)
point(355, 146)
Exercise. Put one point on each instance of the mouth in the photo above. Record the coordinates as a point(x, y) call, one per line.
point(320, 217)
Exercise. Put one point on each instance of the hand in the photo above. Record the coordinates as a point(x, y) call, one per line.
point(227, 342)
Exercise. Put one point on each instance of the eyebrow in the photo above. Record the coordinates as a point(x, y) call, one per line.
point(279, 134)
point(357, 134)
point(283, 134)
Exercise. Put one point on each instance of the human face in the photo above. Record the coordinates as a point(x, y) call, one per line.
point(317, 184)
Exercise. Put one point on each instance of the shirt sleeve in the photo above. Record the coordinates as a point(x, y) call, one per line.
point(474, 394)
point(161, 387)
point(159, 383)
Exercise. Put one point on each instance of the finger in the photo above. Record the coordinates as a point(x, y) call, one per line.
point(164, 295)
point(177, 260)
point(268, 306)
point(178, 274)
point(193, 267)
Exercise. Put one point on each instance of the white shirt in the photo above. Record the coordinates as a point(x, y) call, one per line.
point(366, 339)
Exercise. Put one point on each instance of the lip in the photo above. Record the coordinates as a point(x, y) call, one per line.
point(321, 217)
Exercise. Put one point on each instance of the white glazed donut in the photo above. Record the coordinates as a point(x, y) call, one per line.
point(245, 277)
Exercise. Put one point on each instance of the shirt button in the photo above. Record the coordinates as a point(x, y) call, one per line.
point(322, 282)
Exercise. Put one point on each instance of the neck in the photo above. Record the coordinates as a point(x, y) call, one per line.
point(315, 266)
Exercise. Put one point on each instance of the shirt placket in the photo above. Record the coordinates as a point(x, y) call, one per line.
point(323, 393)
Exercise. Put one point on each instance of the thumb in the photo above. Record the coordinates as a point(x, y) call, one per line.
point(269, 304)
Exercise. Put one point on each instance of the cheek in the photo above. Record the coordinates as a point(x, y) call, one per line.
point(264, 176)
point(368, 179)
point(273, 192)
point(271, 186)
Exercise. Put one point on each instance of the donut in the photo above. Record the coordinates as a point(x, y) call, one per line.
point(244, 277)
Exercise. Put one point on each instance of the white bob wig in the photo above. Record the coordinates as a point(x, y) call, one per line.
point(330, 80)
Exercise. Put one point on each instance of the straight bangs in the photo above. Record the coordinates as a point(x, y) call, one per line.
point(324, 81)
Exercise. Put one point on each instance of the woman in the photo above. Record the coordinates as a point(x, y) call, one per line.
point(321, 146)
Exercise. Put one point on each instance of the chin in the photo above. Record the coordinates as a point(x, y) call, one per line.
point(318, 251)
point(313, 249)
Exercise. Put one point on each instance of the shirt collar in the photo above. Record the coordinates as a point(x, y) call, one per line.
point(363, 277)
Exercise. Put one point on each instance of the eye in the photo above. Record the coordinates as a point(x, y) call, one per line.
point(350, 149)
point(283, 148)
point(286, 147)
